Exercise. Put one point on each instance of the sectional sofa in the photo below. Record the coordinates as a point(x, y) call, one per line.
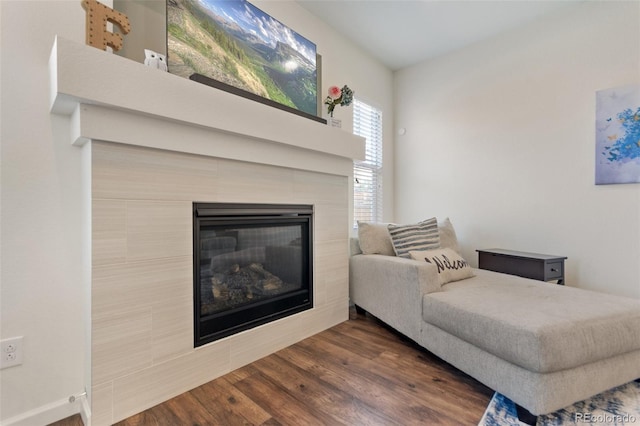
point(543, 345)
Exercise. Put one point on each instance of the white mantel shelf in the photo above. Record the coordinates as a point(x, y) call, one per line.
point(102, 91)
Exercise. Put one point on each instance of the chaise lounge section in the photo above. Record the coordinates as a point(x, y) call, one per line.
point(542, 345)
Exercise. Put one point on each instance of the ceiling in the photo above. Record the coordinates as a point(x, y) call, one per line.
point(401, 33)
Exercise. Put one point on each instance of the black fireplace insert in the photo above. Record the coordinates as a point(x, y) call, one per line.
point(252, 264)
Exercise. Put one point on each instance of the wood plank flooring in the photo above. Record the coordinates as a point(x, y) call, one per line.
point(357, 373)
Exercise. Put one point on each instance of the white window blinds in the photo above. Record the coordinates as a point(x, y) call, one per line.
point(367, 122)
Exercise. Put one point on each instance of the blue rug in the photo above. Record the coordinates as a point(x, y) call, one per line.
point(619, 406)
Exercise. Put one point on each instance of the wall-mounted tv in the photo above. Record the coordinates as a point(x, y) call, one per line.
point(234, 46)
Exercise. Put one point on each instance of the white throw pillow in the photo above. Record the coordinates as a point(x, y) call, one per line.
point(448, 238)
point(451, 266)
point(374, 238)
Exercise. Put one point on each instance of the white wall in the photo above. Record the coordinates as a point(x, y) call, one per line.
point(42, 293)
point(44, 286)
point(500, 137)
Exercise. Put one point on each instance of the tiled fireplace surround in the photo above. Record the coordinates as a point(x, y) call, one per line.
point(153, 144)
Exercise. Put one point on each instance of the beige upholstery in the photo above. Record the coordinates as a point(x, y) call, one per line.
point(539, 326)
point(542, 345)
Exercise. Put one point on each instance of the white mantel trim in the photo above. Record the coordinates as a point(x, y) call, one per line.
point(85, 76)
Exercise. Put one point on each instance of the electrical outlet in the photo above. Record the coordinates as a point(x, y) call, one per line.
point(10, 352)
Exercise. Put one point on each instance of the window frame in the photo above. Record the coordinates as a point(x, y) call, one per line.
point(368, 202)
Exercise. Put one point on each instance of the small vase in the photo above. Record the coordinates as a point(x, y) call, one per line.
point(334, 122)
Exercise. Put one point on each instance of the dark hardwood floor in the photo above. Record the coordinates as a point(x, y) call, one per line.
point(357, 373)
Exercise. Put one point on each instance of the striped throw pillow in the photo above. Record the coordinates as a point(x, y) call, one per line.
point(416, 237)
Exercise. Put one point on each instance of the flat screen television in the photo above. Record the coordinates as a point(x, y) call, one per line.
point(234, 46)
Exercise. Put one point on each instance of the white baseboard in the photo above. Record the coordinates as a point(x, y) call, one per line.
point(52, 412)
point(85, 410)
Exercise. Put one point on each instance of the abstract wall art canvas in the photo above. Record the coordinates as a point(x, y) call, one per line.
point(618, 135)
point(234, 46)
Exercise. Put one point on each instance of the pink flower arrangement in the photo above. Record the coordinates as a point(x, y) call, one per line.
point(334, 92)
point(338, 96)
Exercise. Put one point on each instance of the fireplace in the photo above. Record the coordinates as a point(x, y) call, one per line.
point(145, 161)
point(252, 265)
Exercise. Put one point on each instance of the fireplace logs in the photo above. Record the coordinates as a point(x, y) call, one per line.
point(244, 282)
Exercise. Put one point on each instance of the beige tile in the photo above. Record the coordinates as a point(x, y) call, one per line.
point(128, 172)
point(320, 188)
point(337, 289)
point(158, 229)
point(330, 314)
point(319, 295)
point(331, 222)
point(102, 404)
point(148, 387)
point(109, 237)
point(332, 269)
point(172, 328)
point(142, 278)
point(140, 284)
point(254, 183)
point(120, 343)
point(261, 341)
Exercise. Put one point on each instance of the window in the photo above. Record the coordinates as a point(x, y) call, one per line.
point(367, 203)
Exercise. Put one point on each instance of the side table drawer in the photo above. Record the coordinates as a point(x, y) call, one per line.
point(553, 271)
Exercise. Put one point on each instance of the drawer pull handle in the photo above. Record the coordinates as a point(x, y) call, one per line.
point(554, 270)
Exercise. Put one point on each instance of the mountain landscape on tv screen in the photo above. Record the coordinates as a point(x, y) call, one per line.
point(235, 43)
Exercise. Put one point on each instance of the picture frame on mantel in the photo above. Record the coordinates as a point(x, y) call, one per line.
point(233, 46)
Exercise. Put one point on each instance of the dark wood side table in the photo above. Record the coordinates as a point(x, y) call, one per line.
point(542, 267)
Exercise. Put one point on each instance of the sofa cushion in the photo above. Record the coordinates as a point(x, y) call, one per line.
point(419, 236)
point(539, 326)
point(451, 266)
point(374, 238)
point(447, 233)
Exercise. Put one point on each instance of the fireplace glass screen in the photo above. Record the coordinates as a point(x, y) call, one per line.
point(252, 265)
